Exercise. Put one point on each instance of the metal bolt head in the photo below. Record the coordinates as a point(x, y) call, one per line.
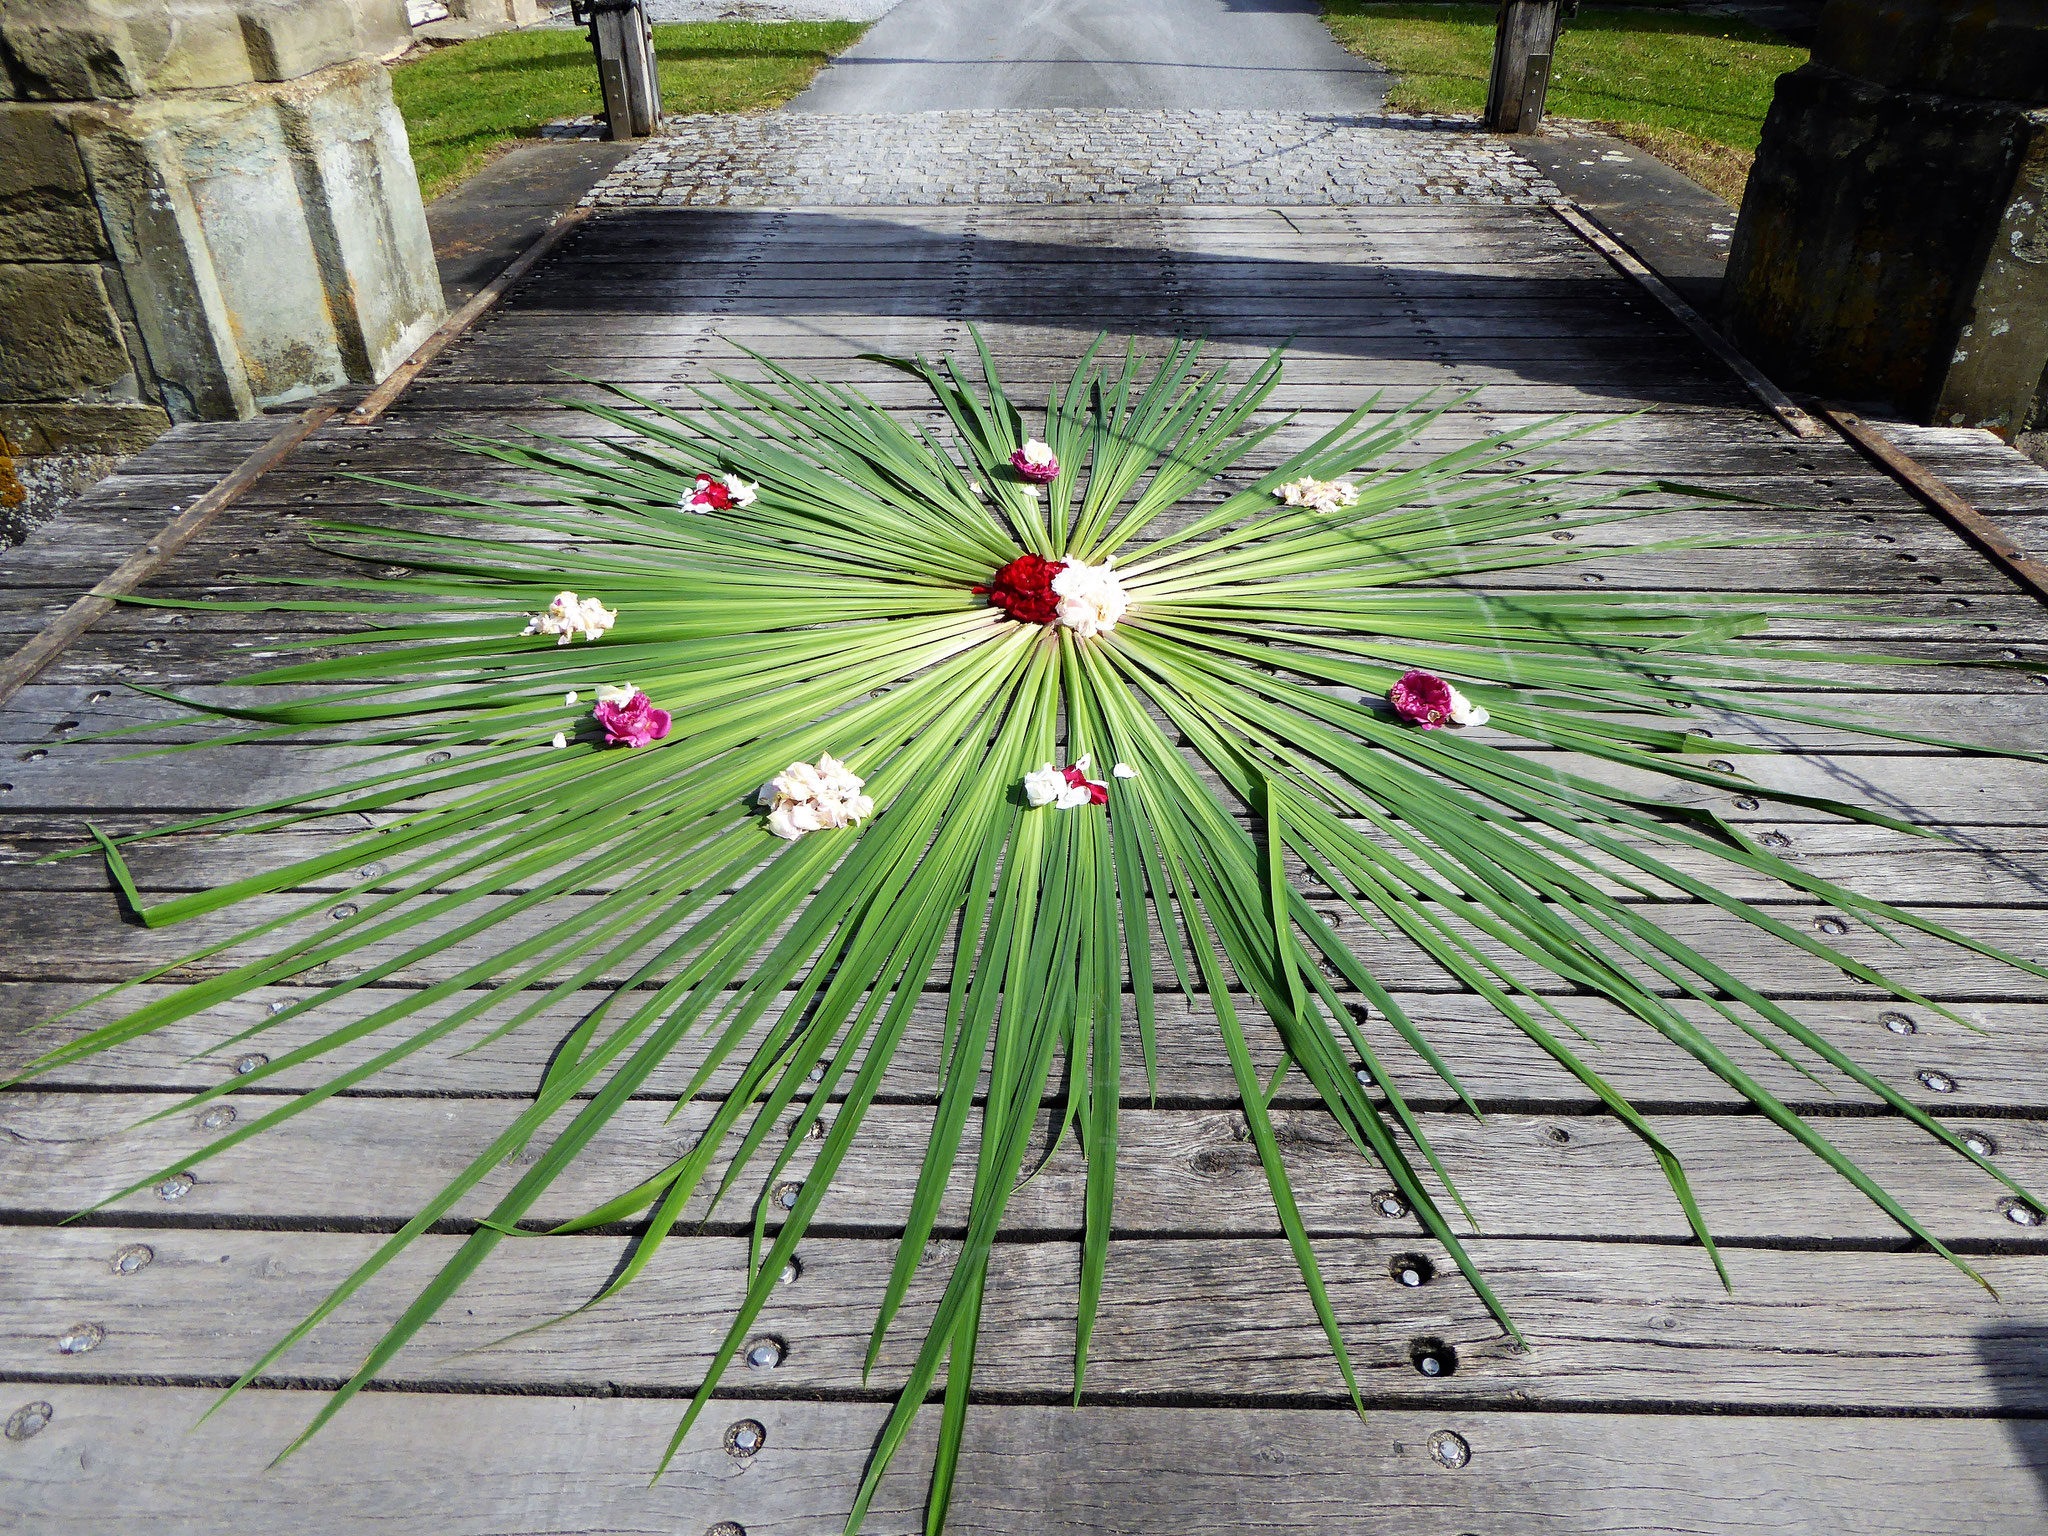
point(2019, 1213)
point(134, 1257)
point(1447, 1448)
point(785, 1195)
point(28, 1420)
point(244, 1065)
point(726, 1528)
point(176, 1187)
point(744, 1438)
point(1389, 1203)
point(764, 1354)
point(1433, 1357)
point(81, 1339)
point(1938, 1082)
point(1980, 1143)
point(1411, 1270)
point(1898, 1023)
point(1747, 802)
point(218, 1118)
point(792, 1272)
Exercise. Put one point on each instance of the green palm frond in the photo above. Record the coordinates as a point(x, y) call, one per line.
point(838, 615)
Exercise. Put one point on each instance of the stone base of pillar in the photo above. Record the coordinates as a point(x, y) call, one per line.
point(1893, 242)
point(206, 215)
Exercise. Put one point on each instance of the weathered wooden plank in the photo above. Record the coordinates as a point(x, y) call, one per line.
point(451, 1465)
point(1988, 1066)
point(84, 936)
point(1935, 790)
point(1981, 866)
point(375, 1161)
point(1623, 1324)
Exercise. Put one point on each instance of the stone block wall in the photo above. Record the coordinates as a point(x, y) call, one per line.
point(1893, 241)
point(206, 207)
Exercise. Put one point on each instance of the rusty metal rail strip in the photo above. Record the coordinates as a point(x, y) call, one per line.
point(2024, 566)
point(50, 641)
point(1774, 399)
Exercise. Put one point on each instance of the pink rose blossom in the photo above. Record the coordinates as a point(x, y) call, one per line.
point(631, 724)
point(1422, 698)
point(1036, 463)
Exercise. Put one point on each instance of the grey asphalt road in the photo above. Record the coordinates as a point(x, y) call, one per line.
point(930, 55)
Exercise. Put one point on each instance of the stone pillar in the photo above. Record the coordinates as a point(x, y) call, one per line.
point(206, 207)
point(1893, 242)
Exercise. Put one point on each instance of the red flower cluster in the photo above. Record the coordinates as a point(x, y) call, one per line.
point(711, 493)
point(1023, 589)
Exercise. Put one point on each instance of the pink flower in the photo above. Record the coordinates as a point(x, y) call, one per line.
point(1422, 698)
point(1035, 462)
point(1426, 700)
point(631, 724)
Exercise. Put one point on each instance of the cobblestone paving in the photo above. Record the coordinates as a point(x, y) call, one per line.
point(1069, 156)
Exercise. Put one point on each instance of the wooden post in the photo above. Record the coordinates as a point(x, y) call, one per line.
point(1524, 38)
point(626, 73)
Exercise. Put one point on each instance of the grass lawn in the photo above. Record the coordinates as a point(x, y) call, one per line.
point(1692, 90)
point(461, 104)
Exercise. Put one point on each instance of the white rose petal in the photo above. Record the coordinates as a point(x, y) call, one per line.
point(560, 740)
point(1045, 786)
point(615, 693)
point(741, 491)
point(569, 697)
point(1071, 795)
point(814, 797)
point(1321, 495)
point(1091, 598)
point(1124, 771)
point(1036, 452)
point(569, 616)
point(1465, 712)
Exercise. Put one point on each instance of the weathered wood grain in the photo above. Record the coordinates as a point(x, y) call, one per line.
point(1626, 1324)
point(1988, 1066)
point(375, 1161)
point(578, 1466)
point(64, 936)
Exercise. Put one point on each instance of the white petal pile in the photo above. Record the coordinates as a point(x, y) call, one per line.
point(1322, 495)
point(1044, 786)
point(809, 797)
point(569, 616)
point(616, 693)
point(1091, 597)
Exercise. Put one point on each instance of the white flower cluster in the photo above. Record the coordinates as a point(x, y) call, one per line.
point(808, 797)
point(1321, 495)
point(1065, 788)
point(569, 616)
point(1049, 786)
point(1091, 598)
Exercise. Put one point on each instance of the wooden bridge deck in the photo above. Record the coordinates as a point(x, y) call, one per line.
point(1847, 1386)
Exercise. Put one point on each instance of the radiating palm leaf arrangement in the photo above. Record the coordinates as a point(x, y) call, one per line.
point(1265, 782)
